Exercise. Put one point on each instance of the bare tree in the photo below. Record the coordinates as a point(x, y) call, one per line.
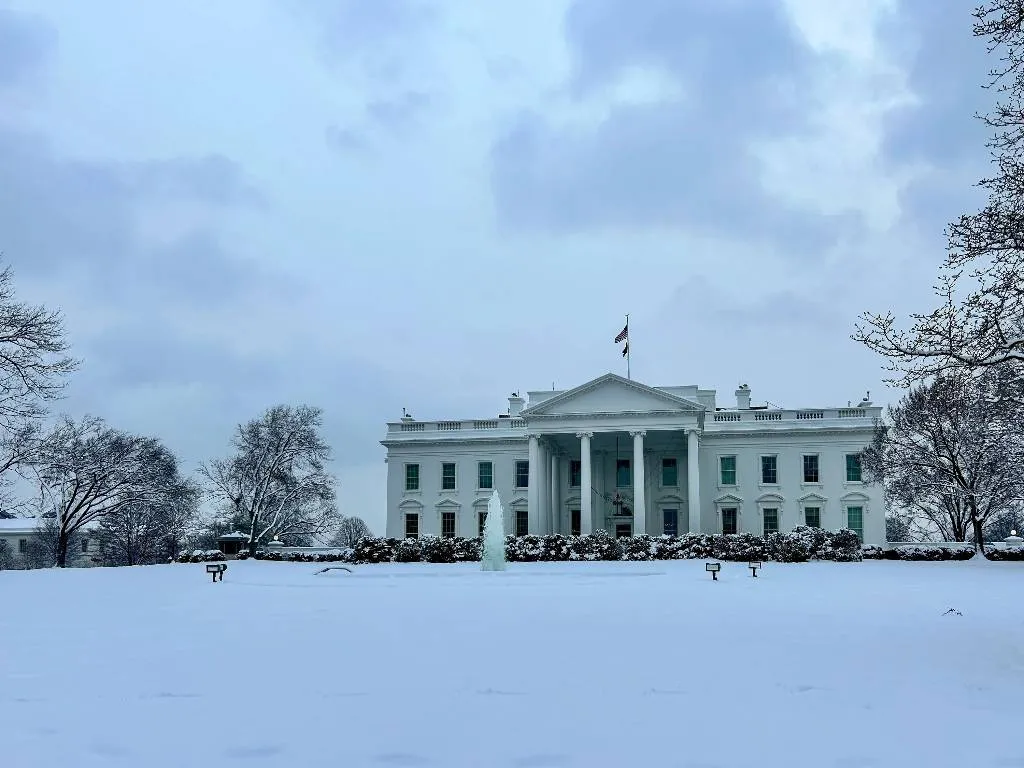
point(88, 471)
point(980, 319)
point(34, 366)
point(350, 531)
point(6, 557)
point(951, 452)
point(276, 481)
point(151, 530)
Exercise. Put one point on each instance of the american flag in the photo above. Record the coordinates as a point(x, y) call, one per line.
point(623, 335)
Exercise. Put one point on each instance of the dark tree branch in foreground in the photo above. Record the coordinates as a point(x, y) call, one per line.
point(979, 322)
point(34, 365)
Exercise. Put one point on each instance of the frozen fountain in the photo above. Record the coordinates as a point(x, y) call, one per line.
point(493, 556)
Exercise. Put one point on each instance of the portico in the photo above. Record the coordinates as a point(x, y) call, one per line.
point(618, 480)
point(621, 444)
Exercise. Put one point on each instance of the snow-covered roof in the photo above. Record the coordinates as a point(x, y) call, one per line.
point(31, 525)
point(19, 525)
point(233, 536)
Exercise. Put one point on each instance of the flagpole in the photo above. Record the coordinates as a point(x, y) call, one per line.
point(628, 376)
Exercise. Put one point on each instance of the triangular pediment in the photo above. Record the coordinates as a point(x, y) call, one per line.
point(612, 393)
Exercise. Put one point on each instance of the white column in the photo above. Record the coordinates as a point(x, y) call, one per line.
point(533, 491)
point(639, 485)
point(586, 505)
point(693, 482)
point(545, 492)
point(554, 513)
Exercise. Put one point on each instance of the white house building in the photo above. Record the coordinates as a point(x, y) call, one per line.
point(17, 536)
point(618, 455)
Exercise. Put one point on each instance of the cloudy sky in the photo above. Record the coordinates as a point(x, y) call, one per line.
point(375, 204)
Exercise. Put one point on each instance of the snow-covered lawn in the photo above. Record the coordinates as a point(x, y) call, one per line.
point(597, 664)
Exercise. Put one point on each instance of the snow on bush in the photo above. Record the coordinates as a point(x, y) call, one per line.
point(202, 556)
point(950, 551)
point(799, 546)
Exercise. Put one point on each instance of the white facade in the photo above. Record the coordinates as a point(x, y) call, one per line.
point(17, 535)
point(631, 459)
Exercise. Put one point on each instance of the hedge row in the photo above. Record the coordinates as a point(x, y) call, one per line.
point(798, 546)
point(936, 554)
point(201, 556)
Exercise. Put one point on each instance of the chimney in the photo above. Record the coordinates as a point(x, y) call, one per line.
point(515, 404)
point(743, 397)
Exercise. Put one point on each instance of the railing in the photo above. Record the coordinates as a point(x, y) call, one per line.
point(815, 414)
point(473, 425)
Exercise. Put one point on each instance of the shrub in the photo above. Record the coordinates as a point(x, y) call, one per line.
point(202, 556)
point(408, 551)
point(374, 550)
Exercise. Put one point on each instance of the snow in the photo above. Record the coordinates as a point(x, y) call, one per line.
point(548, 664)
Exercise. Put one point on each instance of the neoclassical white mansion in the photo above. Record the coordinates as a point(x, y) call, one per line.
point(629, 458)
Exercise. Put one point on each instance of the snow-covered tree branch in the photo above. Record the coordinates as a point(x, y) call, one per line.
point(87, 471)
point(979, 321)
point(276, 482)
point(950, 452)
point(34, 366)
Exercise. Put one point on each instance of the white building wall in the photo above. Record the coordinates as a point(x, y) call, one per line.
point(470, 499)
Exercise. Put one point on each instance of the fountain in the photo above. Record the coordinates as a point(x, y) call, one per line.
point(493, 556)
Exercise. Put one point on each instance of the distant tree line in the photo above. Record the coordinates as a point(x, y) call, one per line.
point(127, 492)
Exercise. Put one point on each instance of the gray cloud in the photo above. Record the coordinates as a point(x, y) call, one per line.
point(378, 34)
point(25, 42)
point(947, 68)
point(398, 113)
point(678, 163)
point(56, 212)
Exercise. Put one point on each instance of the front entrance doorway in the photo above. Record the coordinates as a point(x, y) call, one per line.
point(623, 530)
point(574, 522)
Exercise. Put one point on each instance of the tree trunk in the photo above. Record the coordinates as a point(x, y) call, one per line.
point(979, 542)
point(62, 549)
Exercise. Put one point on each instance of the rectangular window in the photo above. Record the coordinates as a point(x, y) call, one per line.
point(22, 546)
point(771, 520)
point(812, 517)
point(448, 524)
point(485, 475)
point(853, 474)
point(481, 522)
point(811, 469)
point(412, 477)
point(522, 522)
point(448, 476)
point(729, 515)
point(623, 530)
point(575, 519)
point(727, 466)
point(855, 521)
point(671, 522)
point(769, 470)
point(575, 473)
point(85, 545)
point(622, 474)
point(412, 525)
point(669, 473)
point(522, 474)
